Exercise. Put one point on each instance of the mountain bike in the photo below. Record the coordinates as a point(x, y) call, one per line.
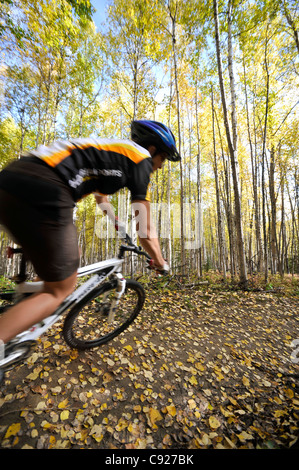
point(101, 308)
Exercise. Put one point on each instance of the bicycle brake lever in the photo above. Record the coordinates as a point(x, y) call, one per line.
point(129, 240)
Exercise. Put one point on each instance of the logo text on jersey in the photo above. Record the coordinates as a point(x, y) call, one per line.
point(92, 173)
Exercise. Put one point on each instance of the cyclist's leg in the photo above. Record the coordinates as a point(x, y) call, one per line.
point(49, 240)
point(35, 308)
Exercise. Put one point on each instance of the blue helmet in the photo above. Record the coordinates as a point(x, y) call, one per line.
point(146, 133)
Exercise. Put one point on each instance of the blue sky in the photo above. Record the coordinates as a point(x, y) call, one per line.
point(100, 15)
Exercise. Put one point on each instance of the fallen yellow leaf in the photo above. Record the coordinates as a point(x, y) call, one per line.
point(205, 440)
point(192, 404)
point(12, 430)
point(214, 423)
point(42, 405)
point(63, 403)
point(225, 412)
point(107, 377)
point(74, 354)
point(245, 436)
point(245, 381)
point(289, 393)
point(279, 413)
point(46, 425)
point(97, 432)
point(64, 415)
point(171, 410)
point(154, 416)
point(34, 375)
point(52, 442)
point(167, 440)
point(193, 380)
point(34, 433)
point(122, 424)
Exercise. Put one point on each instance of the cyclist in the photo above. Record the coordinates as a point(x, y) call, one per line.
point(38, 193)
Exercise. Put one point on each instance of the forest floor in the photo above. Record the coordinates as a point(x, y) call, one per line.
point(201, 368)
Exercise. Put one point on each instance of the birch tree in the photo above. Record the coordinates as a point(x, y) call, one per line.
point(136, 48)
point(231, 137)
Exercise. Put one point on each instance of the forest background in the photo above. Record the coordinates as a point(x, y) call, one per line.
point(223, 74)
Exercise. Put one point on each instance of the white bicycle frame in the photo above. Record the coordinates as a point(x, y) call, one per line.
point(101, 271)
point(31, 287)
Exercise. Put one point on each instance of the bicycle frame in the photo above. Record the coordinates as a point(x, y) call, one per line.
point(103, 269)
point(99, 271)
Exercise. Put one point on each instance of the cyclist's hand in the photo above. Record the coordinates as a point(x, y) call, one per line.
point(159, 269)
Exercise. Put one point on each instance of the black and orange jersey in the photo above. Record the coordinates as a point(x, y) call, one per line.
point(99, 166)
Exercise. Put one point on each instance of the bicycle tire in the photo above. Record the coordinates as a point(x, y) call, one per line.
point(89, 318)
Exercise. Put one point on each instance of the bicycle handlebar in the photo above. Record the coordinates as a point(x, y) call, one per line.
point(133, 248)
point(138, 250)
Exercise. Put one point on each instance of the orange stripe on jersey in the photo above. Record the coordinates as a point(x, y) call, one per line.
point(125, 149)
point(56, 158)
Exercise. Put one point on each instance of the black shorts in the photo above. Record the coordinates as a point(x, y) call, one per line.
point(36, 208)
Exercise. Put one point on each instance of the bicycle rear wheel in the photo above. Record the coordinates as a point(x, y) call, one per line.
point(87, 325)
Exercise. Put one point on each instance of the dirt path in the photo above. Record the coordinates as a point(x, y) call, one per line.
point(196, 370)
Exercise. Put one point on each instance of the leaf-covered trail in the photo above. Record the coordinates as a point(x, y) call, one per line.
point(196, 370)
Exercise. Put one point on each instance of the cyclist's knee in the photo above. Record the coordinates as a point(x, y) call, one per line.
point(61, 289)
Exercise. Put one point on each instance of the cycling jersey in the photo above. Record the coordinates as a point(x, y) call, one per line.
point(99, 165)
point(38, 194)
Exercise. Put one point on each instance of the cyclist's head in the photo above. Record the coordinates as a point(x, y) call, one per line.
point(146, 133)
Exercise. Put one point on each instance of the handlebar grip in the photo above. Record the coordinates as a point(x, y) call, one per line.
point(133, 248)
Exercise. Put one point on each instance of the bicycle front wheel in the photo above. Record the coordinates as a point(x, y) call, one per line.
point(89, 324)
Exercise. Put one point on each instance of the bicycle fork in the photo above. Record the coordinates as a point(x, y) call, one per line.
point(121, 285)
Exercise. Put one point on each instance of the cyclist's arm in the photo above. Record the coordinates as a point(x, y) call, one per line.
point(107, 208)
point(146, 231)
